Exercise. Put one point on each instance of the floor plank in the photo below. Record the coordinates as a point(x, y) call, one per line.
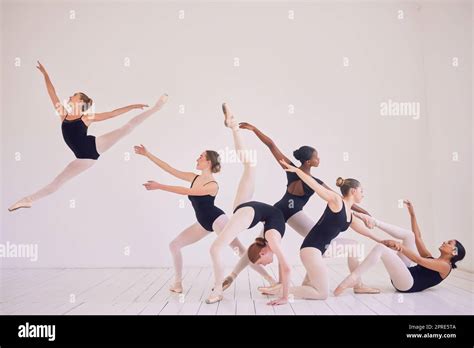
point(145, 291)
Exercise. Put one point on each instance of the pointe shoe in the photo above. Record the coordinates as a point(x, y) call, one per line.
point(229, 120)
point(177, 287)
point(364, 289)
point(214, 298)
point(227, 282)
point(22, 203)
point(162, 101)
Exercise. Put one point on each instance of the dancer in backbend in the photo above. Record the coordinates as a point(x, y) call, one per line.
point(202, 193)
point(247, 214)
point(336, 218)
point(292, 203)
point(86, 148)
point(410, 264)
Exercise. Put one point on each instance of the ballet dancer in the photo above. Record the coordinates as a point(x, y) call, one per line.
point(86, 148)
point(334, 220)
point(293, 201)
point(247, 214)
point(410, 264)
point(202, 194)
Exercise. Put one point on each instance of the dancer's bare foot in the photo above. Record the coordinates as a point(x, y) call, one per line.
point(22, 203)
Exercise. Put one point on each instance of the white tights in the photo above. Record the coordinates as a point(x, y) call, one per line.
point(302, 224)
point(79, 165)
point(242, 218)
point(395, 262)
point(195, 233)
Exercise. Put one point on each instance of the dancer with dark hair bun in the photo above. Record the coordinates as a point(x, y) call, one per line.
point(410, 264)
point(293, 201)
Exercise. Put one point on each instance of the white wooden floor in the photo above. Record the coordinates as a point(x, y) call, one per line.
point(144, 291)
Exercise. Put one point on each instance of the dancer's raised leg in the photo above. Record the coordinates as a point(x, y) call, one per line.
point(406, 236)
point(243, 217)
point(106, 141)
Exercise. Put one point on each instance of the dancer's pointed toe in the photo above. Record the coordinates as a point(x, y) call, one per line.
point(22, 203)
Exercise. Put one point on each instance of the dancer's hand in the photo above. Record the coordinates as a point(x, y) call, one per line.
point(288, 167)
point(152, 185)
point(41, 68)
point(248, 126)
point(409, 205)
point(141, 150)
point(277, 302)
point(139, 106)
point(392, 245)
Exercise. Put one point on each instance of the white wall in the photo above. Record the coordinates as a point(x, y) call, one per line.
point(282, 62)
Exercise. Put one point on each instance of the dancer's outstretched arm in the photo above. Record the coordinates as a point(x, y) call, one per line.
point(279, 155)
point(102, 116)
point(327, 194)
point(208, 189)
point(60, 109)
point(358, 226)
point(267, 141)
point(187, 176)
point(433, 264)
point(420, 245)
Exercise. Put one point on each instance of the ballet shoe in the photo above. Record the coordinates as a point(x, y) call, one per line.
point(349, 282)
point(22, 203)
point(227, 282)
point(229, 120)
point(177, 287)
point(214, 298)
point(269, 289)
point(162, 101)
point(364, 289)
point(369, 221)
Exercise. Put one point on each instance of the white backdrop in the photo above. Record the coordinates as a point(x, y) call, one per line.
point(335, 63)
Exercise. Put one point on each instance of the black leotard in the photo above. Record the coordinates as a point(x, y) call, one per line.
point(290, 204)
point(75, 136)
point(271, 217)
point(328, 227)
point(206, 211)
point(423, 278)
